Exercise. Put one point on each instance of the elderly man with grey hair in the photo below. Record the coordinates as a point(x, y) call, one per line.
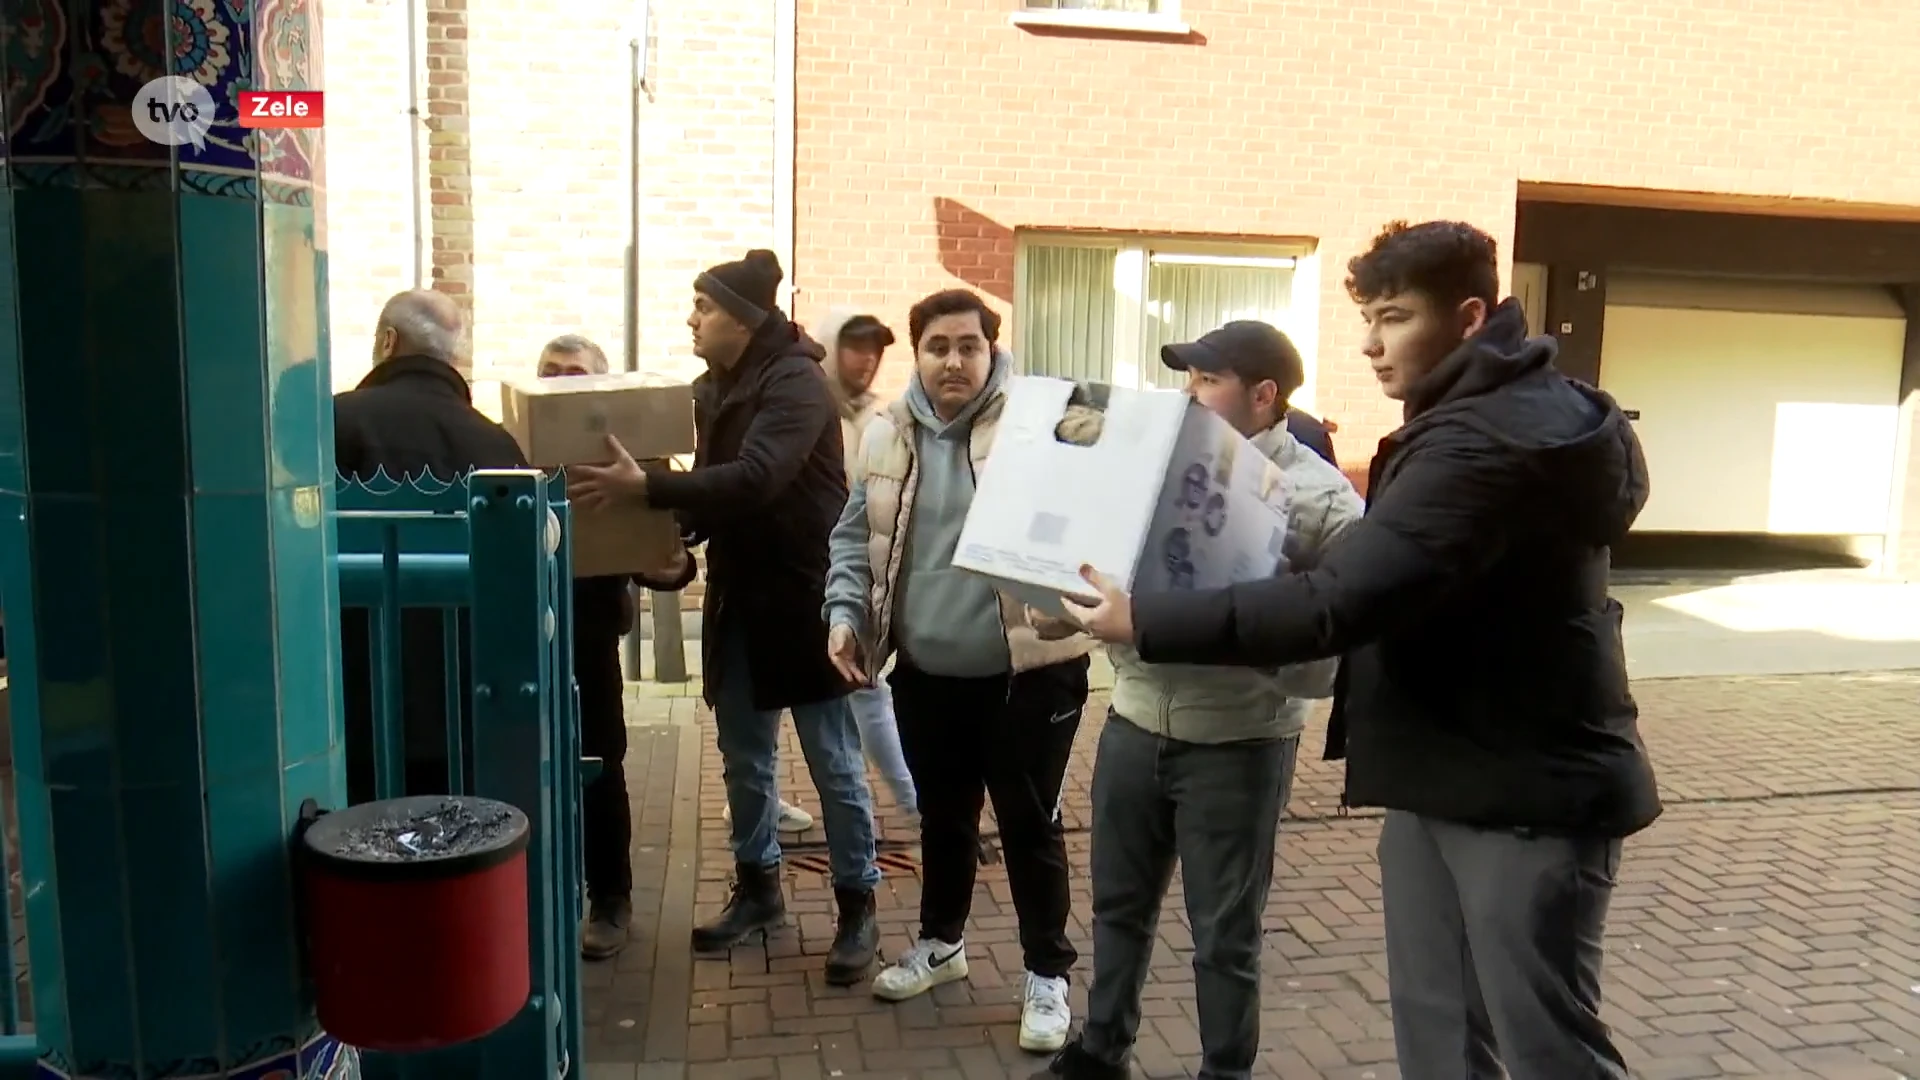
point(603, 610)
point(413, 414)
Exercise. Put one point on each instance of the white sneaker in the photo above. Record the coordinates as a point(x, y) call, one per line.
point(792, 819)
point(921, 968)
point(788, 819)
point(1044, 1015)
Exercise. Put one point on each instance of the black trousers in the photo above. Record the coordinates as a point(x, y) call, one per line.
point(1007, 738)
point(606, 816)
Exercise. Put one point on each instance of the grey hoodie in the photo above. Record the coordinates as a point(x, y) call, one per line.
point(946, 619)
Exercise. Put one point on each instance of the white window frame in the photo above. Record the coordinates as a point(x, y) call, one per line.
point(1130, 267)
point(1166, 21)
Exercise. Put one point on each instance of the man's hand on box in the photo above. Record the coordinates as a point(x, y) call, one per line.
point(595, 487)
point(843, 650)
point(1051, 627)
point(670, 570)
point(1110, 620)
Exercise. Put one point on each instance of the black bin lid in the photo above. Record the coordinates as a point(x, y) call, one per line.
point(417, 837)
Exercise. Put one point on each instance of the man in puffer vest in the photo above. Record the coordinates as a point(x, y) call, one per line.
point(985, 708)
point(1196, 763)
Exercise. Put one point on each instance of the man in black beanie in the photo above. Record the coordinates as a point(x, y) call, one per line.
point(767, 485)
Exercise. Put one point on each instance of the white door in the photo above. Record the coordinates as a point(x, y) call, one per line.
point(1762, 407)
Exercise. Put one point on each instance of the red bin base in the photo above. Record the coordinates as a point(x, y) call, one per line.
point(417, 921)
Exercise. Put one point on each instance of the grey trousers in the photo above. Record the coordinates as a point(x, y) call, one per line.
point(1494, 943)
point(1215, 809)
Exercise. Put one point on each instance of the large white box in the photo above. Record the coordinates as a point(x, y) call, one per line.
point(1170, 497)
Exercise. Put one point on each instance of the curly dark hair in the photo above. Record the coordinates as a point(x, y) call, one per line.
point(951, 302)
point(1449, 261)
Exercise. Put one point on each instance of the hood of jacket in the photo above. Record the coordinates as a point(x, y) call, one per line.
point(777, 336)
point(852, 406)
point(1575, 437)
point(921, 405)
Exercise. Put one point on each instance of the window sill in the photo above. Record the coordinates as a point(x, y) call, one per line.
point(1102, 22)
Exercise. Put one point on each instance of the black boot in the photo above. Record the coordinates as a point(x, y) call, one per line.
point(1074, 1063)
point(605, 931)
point(755, 906)
point(855, 939)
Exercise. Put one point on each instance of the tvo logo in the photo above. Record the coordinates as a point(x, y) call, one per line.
point(174, 111)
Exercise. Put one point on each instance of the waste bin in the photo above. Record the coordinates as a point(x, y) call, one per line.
point(416, 918)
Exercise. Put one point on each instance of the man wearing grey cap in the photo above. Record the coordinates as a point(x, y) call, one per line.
point(1196, 763)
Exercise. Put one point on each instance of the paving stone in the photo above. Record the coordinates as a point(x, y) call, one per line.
point(1767, 925)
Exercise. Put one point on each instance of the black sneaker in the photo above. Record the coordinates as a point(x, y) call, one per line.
point(605, 931)
point(1073, 1062)
point(754, 907)
point(855, 940)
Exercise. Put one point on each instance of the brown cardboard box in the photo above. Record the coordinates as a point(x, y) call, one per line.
point(622, 540)
point(565, 421)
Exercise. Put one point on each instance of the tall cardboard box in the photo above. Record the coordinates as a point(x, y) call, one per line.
point(1170, 497)
point(566, 420)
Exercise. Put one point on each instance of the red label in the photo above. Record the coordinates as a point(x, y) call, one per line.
point(282, 108)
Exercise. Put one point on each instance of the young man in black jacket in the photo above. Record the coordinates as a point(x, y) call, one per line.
point(1483, 697)
point(767, 485)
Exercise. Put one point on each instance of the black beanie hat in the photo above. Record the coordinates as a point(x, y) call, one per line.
point(748, 290)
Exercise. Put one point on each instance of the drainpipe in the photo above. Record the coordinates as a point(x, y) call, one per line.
point(414, 124)
point(637, 50)
point(633, 214)
point(637, 47)
point(785, 45)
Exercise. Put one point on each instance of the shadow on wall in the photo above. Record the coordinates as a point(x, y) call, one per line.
point(975, 248)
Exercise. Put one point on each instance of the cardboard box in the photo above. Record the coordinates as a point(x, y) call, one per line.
point(622, 540)
point(565, 421)
point(1169, 497)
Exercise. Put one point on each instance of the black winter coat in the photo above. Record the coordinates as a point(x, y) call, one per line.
point(411, 416)
point(1484, 679)
point(767, 485)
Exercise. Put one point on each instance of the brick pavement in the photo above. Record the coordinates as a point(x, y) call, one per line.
point(1768, 925)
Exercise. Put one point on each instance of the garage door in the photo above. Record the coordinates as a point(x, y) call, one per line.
point(1763, 407)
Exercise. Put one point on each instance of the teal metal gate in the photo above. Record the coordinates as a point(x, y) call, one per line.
point(494, 548)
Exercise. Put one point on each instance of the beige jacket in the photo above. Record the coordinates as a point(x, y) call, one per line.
point(1206, 704)
point(889, 482)
point(856, 410)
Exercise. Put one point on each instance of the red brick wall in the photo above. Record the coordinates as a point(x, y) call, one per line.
point(927, 137)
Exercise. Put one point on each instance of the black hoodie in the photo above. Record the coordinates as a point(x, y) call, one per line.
point(1484, 679)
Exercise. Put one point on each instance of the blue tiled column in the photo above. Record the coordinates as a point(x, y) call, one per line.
point(165, 452)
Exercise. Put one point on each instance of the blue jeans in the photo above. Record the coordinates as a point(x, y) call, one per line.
point(880, 738)
point(749, 746)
